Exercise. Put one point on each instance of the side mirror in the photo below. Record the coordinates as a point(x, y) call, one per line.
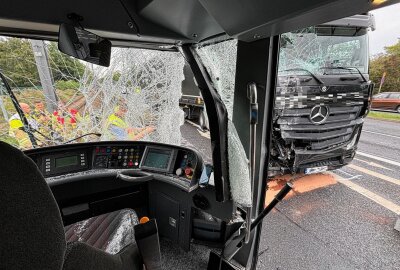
point(84, 45)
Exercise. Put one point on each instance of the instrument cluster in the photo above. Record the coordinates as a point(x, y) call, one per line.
point(172, 161)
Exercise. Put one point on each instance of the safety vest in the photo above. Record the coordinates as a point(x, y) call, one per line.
point(20, 135)
point(116, 128)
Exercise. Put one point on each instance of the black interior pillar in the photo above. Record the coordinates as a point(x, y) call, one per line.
point(256, 62)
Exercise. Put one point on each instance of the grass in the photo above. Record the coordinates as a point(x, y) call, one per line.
point(384, 116)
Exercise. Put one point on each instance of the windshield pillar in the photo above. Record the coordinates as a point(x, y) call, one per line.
point(256, 62)
point(218, 121)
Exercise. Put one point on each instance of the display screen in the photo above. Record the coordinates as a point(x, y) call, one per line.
point(66, 161)
point(158, 159)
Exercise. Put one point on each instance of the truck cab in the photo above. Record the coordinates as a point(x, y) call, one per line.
point(323, 95)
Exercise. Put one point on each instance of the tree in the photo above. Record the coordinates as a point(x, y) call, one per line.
point(64, 67)
point(18, 63)
point(388, 62)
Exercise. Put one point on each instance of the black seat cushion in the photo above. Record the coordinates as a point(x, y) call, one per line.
point(31, 229)
point(109, 232)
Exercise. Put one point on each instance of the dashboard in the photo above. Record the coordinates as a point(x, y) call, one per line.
point(176, 163)
point(156, 180)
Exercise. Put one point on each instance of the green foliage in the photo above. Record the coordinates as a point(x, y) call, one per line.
point(63, 66)
point(116, 76)
point(9, 140)
point(18, 63)
point(384, 116)
point(70, 84)
point(388, 62)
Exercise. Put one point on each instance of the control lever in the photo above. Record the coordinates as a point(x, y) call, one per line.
point(235, 242)
point(252, 95)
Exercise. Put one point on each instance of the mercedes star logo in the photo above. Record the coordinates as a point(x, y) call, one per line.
point(319, 114)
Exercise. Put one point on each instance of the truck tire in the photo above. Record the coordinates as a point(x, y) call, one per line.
point(398, 109)
point(202, 120)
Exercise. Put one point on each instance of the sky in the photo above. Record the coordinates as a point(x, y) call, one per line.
point(387, 28)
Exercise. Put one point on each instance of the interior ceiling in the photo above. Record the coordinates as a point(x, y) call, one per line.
point(175, 21)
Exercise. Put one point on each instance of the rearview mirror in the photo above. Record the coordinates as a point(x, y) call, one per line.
point(84, 45)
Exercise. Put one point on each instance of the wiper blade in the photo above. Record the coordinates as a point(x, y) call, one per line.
point(309, 72)
point(349, 68)
point(87, 134)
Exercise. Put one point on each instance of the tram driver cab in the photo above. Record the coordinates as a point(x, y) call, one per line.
point(105, 178)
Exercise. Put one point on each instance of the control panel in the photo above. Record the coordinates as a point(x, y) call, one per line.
point(65, 162)
point(171, 161)
point(186, 163)
point(116, 157)
point(161, 159)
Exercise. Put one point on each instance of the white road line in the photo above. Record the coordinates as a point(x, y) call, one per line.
point(373, 164)
point(193, 123)
point(375, 174)
point(204, 134)
point(389, 161)
point(349, 174)
point(369, 194)
point(382, 134)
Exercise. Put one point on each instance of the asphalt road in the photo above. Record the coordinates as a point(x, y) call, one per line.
point(349, 222)
point(341, 220)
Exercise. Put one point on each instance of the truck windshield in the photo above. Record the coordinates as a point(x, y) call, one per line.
point(324, 50)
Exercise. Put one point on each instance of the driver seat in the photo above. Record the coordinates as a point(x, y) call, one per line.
point(31, 229)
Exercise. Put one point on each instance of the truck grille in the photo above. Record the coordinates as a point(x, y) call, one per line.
point(295, 125)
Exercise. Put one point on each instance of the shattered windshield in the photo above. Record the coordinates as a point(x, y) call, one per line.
point(324, 50)
point(220, 61)
point(67, 101)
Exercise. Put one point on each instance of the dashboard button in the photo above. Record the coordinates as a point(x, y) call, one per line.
point(188, 171)
point(179, 172)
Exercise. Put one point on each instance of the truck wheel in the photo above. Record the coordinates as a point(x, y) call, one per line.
point(202, 120)
point(398, 109)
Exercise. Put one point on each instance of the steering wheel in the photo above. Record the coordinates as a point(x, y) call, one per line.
point(134, 176)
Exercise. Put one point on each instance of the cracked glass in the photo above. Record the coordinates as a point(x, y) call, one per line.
point(220, 62)
point(324, 50)
point(66, 100)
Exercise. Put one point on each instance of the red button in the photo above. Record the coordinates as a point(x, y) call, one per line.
point(189, 171)
point(130, 163)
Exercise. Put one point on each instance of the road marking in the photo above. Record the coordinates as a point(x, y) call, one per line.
point(373, 164)
point(369, 194)
point(382, 134)
point(351, 176)
point(375, 174)
point(379, 158)
point(193, 124)
point(204, 134)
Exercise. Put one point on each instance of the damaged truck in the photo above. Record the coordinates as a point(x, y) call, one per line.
point(323, 95)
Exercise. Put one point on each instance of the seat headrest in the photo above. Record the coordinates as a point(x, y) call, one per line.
point(31, 228)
